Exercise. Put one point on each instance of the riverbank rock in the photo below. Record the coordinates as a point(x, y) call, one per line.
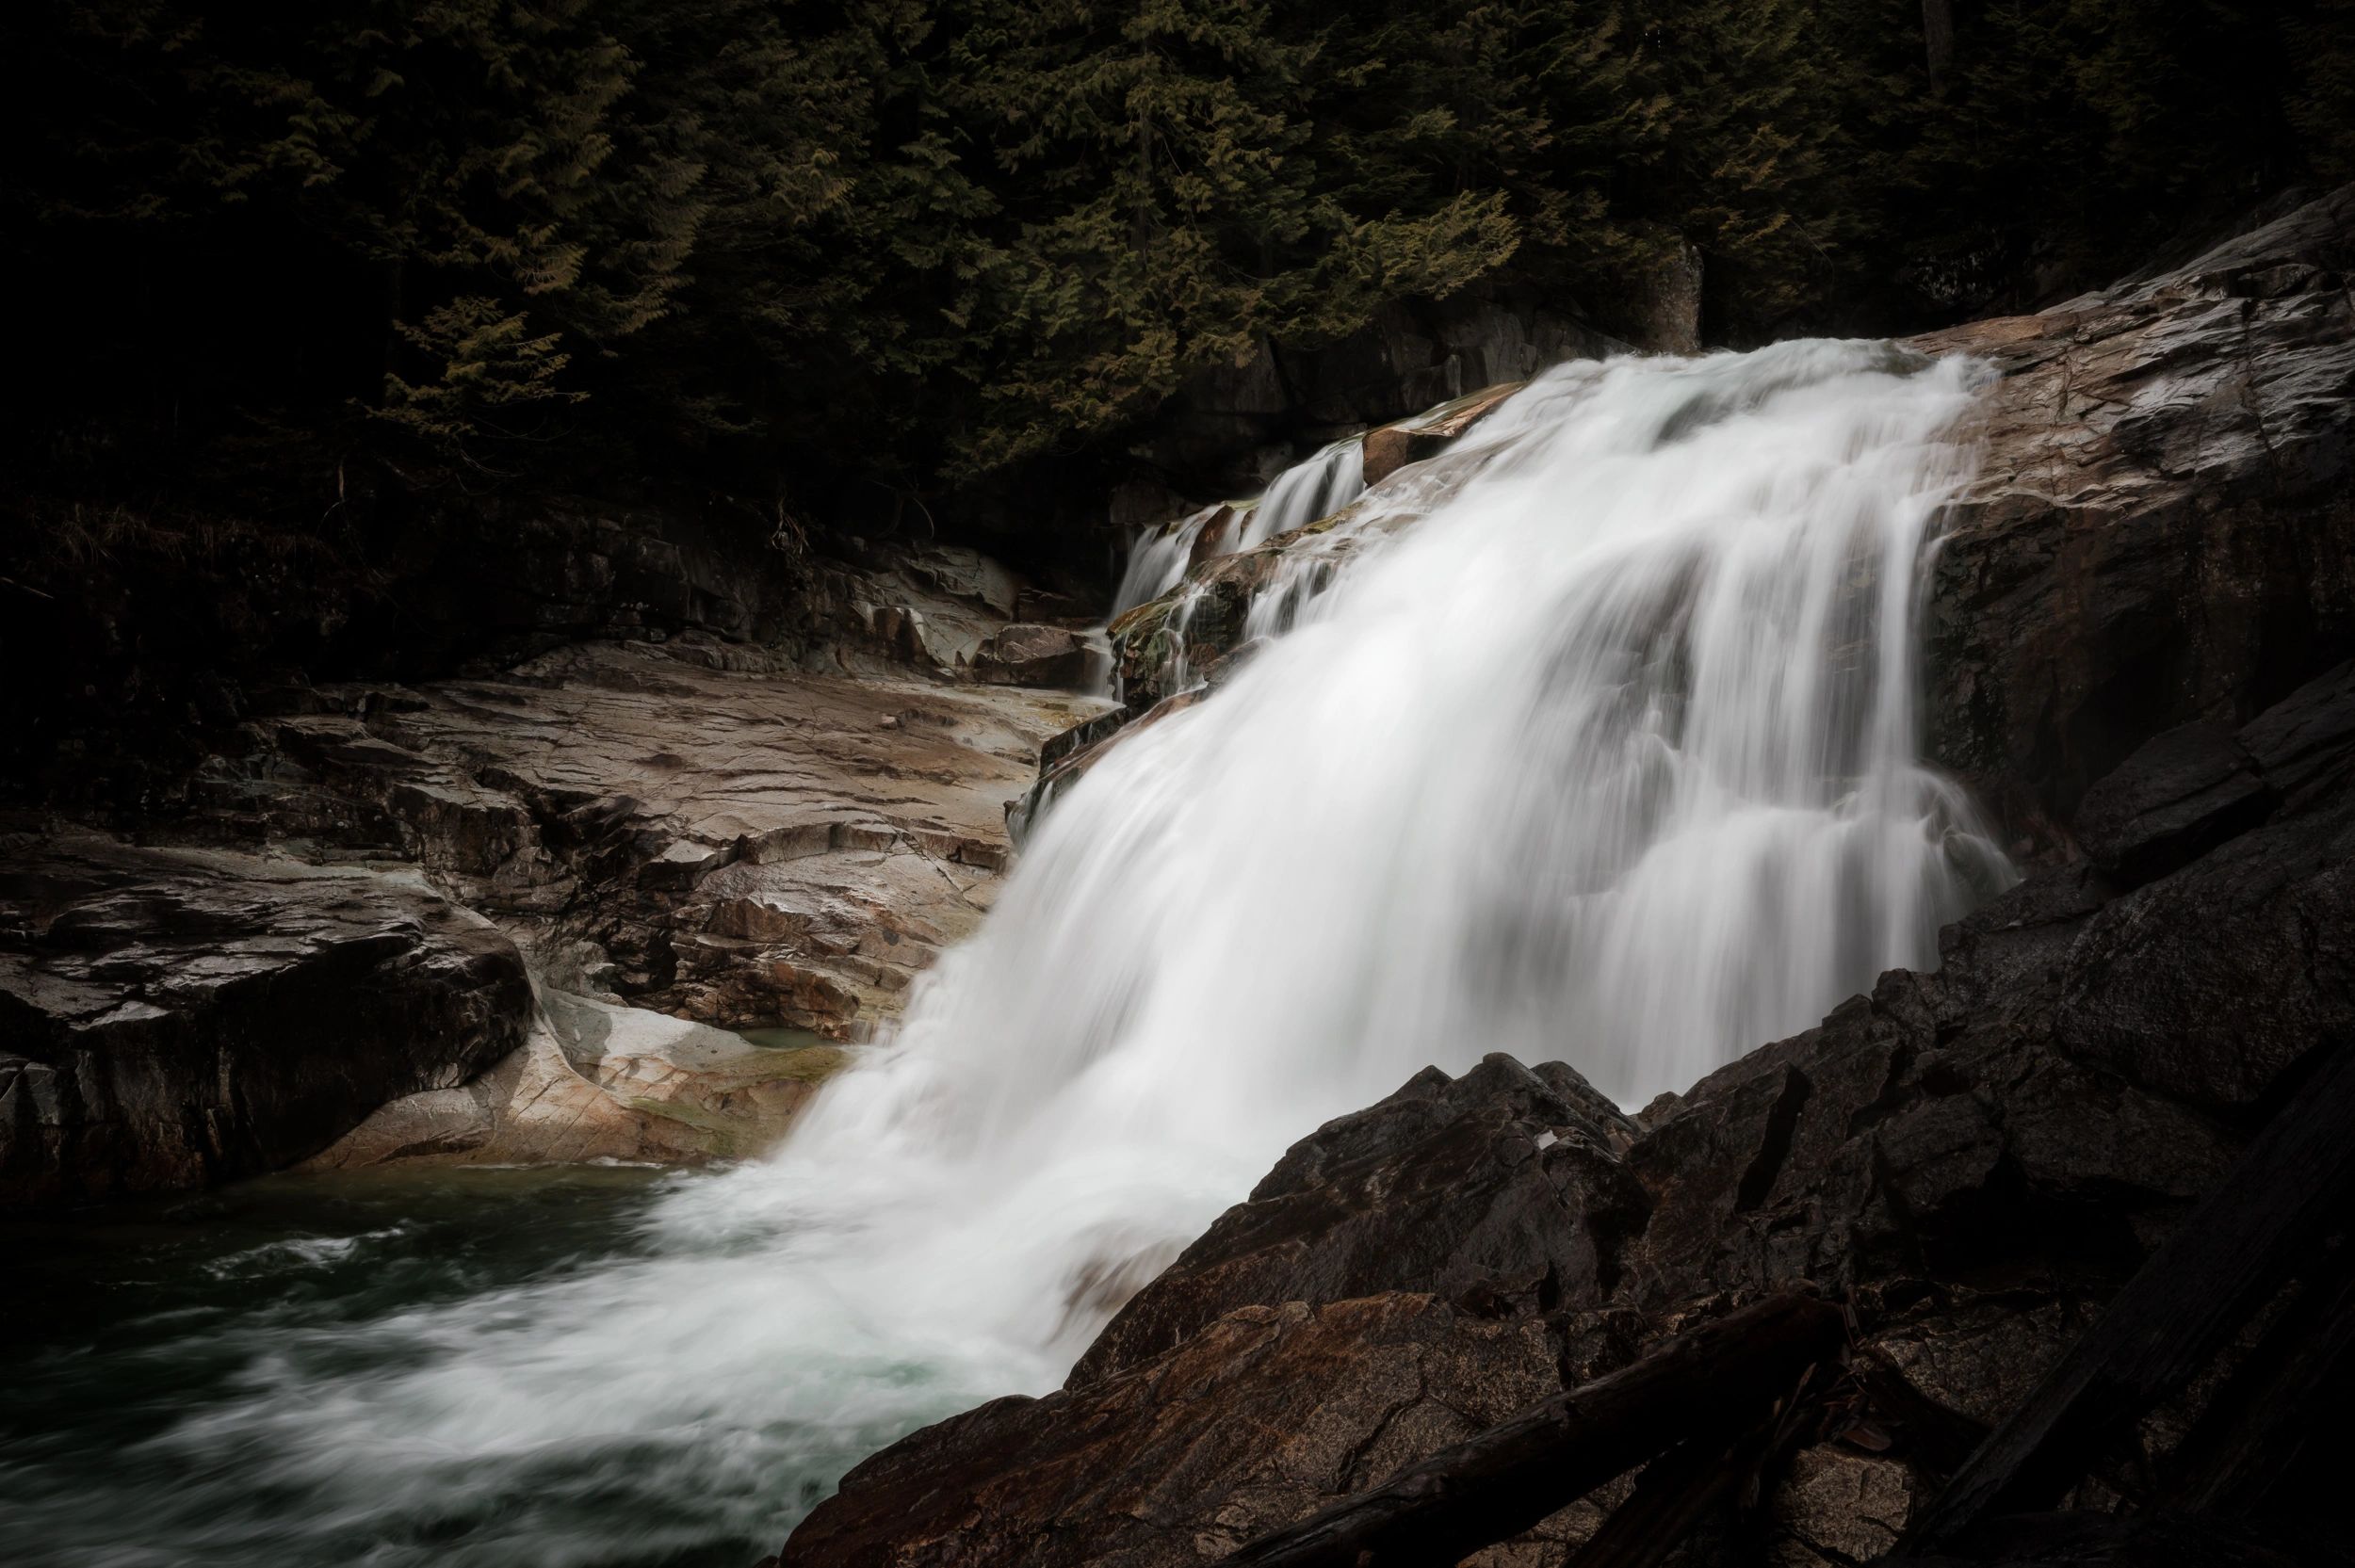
point(174, 1018)
point(599, 1082)
point(682, 826)
point(1972, 1161)
point(2161, 528)
point(676, 834)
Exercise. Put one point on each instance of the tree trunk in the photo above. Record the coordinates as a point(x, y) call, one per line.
point(1938, 38)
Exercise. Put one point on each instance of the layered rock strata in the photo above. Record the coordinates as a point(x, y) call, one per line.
point(666, 833)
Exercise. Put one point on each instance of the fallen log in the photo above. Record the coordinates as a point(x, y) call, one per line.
point(1717, 1479)
point(2295, 1182)
point(2260, 1449)
point(1676, 1491)
point(1714, 1380)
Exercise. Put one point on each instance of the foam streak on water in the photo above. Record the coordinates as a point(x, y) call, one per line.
point(1611, 759)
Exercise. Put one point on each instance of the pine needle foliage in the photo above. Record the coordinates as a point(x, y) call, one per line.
point(269, 251)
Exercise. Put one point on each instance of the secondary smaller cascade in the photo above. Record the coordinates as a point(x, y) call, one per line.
point(1317, 486)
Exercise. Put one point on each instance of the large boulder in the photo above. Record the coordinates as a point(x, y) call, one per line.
point(1030, 655)
point(174, 1018)
point(2161, 528)
point(595, 1081)
point(1500, 1187)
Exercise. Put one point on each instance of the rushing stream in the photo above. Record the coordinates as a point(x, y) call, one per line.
point(1609, 759)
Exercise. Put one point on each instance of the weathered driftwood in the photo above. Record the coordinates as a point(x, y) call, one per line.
point(2284, 1408)
point(1718, 1479)
point(1713, 1380)
point(2295, 1181)
point(1691, 1483)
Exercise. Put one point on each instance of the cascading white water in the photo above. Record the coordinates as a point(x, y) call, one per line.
point(1609, 759)
point(1317, 486)
point(1158, 559)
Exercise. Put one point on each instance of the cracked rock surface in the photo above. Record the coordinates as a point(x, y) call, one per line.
point(2162, 527)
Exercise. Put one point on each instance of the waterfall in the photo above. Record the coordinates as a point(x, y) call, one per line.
point(1610, 758)
point(1158, 559)
point(1317, 486)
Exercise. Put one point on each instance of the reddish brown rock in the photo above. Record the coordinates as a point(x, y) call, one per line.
point(1053, 657)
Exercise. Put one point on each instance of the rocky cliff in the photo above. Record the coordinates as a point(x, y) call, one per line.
point(2139, 618)
point(497, 919)
point(2161, 528)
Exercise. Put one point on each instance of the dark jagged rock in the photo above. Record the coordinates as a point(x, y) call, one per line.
point(1247, 1425)
point(1720, 1377)
point(1496, 1188)
point(2277, 1207)
point(2078, 1540)
point(2180, 795)
point(177, 1018)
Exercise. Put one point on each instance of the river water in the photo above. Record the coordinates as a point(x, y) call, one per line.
point(1609, 759)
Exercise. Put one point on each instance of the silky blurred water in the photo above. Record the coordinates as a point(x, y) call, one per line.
point(1609, 759)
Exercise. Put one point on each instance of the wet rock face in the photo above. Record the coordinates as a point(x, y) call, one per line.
point(2161, 529)
point(171, 1019)
point(1973, 1160)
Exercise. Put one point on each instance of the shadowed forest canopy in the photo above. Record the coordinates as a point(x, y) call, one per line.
point(278, 259)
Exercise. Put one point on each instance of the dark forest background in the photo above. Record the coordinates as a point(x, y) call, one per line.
point(290, 277)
